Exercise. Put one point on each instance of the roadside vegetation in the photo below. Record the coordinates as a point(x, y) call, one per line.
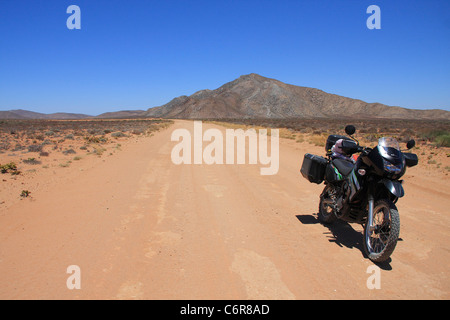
point(27, 146)
point(432, 136)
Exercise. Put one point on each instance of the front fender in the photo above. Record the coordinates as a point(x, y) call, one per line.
point(394, 187)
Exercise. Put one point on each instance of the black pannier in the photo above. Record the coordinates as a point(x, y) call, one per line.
point(331, 140)
point(313, 168)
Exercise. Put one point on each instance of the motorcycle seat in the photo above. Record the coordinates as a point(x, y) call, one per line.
point(344, 167)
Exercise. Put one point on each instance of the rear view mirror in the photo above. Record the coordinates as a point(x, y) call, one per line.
point(350, 129)
point(410, 144)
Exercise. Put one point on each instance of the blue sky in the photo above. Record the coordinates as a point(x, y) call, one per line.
point(137, 54)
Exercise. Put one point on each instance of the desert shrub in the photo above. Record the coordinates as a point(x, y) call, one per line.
point(25, 193)
point(118, 134)
point(18, 147)
point(372, 137)
point(408, 132)
point(50, 133)
point(96, 132)
point(98, 151)
point(69, 151)
point(5, 145)
point(46, 142)
point(431, 135)
point(31, 161)
point(443, 140)
point(137, 131)
point(44, 154)
point(69, 136)
point(317, 140)
point(93, 139)
point(35, 148)
point(367, 130)
point(304, 130)
point(8, 168)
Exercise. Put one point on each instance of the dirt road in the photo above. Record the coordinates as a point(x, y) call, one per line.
point(140, 227)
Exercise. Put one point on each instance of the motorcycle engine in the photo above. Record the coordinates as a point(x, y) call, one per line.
point(342, 195)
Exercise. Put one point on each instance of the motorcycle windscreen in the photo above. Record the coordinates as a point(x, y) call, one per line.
point(389, 149)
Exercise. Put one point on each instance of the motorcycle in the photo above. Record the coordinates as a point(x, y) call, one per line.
point(362, 191)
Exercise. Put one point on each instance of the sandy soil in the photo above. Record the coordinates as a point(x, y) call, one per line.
point(140, 227)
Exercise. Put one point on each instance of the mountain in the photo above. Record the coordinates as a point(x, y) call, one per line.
point(254, 96)
point(24, 114)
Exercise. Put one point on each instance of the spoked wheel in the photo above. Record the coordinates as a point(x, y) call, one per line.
point(381, 238)
point(326, 214)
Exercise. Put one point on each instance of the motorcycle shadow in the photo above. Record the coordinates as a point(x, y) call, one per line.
point(343, 234)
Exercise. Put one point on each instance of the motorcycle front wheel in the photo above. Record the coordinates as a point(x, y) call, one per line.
point(326, 214)
point(381, 238)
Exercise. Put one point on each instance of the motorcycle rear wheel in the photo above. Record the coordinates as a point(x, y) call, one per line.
point(380, 239)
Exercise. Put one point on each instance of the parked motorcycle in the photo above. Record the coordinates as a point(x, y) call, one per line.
point(362, 191)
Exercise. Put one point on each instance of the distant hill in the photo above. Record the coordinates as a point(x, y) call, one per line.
point(254, 96)
point(10, 115)
point(122, 114)
point(24, 114)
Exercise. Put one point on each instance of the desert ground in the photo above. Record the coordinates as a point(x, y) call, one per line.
point(140, 227)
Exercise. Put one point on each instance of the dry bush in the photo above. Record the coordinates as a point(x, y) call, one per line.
point(35, 148)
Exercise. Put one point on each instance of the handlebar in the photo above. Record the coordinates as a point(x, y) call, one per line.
point(364, 150)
